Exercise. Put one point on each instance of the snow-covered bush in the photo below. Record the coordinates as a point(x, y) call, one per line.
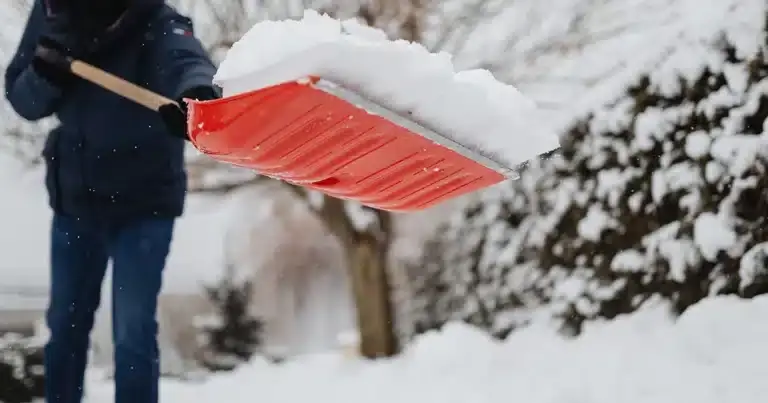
point(663, 194)
point(231, 335)
point(21, 369)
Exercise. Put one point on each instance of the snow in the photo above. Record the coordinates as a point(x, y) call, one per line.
point(596, 221)
point(753, 264)
point(469, 106)
point(197, 254)
point(24, 234)
point(737, 152)
point(679, 176)
point(712, 235)
point(12, 18)
point(629, 261)
point(697, 144)
point(713, 353)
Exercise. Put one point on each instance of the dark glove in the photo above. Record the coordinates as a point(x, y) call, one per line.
point(54, 53)
point(175, 116)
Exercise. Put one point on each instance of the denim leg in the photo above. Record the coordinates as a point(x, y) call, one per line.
point(78, 263)
point(139, 251)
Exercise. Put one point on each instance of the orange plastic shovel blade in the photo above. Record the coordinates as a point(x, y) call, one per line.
point(303, 134)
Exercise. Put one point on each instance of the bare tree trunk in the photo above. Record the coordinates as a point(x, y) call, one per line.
point(370, 285)
point(367, 252)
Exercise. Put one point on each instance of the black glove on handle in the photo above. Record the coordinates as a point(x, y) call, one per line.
point(51, 62)
point(175, 117)
point(55, 49)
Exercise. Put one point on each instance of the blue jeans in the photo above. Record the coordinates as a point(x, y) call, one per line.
point(80, 250)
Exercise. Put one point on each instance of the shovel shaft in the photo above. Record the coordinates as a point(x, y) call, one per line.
point(111, 82)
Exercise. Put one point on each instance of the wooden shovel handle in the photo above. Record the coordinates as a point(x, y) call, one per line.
point(111, 82)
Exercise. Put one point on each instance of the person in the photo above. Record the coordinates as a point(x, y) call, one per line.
point(114, 173)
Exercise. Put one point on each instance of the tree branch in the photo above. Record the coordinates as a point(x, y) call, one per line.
point(224, 187)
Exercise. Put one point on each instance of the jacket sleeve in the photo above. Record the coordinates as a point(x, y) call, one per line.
point(180, 56)
point(30, 95)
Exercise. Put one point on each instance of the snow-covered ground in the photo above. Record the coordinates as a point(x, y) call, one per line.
point(715, 353)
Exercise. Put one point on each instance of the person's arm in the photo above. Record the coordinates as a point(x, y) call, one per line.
point(185, 67)
point(180, 57)
point(30, 95)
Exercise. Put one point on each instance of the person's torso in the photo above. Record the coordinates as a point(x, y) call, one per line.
point(109, 150)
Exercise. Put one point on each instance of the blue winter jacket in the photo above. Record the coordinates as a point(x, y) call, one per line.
point(110, 157)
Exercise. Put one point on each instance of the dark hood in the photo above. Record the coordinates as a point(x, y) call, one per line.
point(56, 6)
point(103, 27)
point(95, 17)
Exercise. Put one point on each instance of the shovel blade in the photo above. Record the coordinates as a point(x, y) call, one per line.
point(305, 134)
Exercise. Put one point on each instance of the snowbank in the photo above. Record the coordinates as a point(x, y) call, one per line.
point(12, 18)
point(470, 106)
point(24, 226)
point(713, 354)
point(197, 253)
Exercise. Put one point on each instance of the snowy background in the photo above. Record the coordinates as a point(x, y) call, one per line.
point(628, 266)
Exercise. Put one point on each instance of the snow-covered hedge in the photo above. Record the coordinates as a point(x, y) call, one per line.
point(661, 195)
point(21, 369)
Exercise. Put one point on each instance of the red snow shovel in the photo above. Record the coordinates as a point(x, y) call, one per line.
point(321, 136)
